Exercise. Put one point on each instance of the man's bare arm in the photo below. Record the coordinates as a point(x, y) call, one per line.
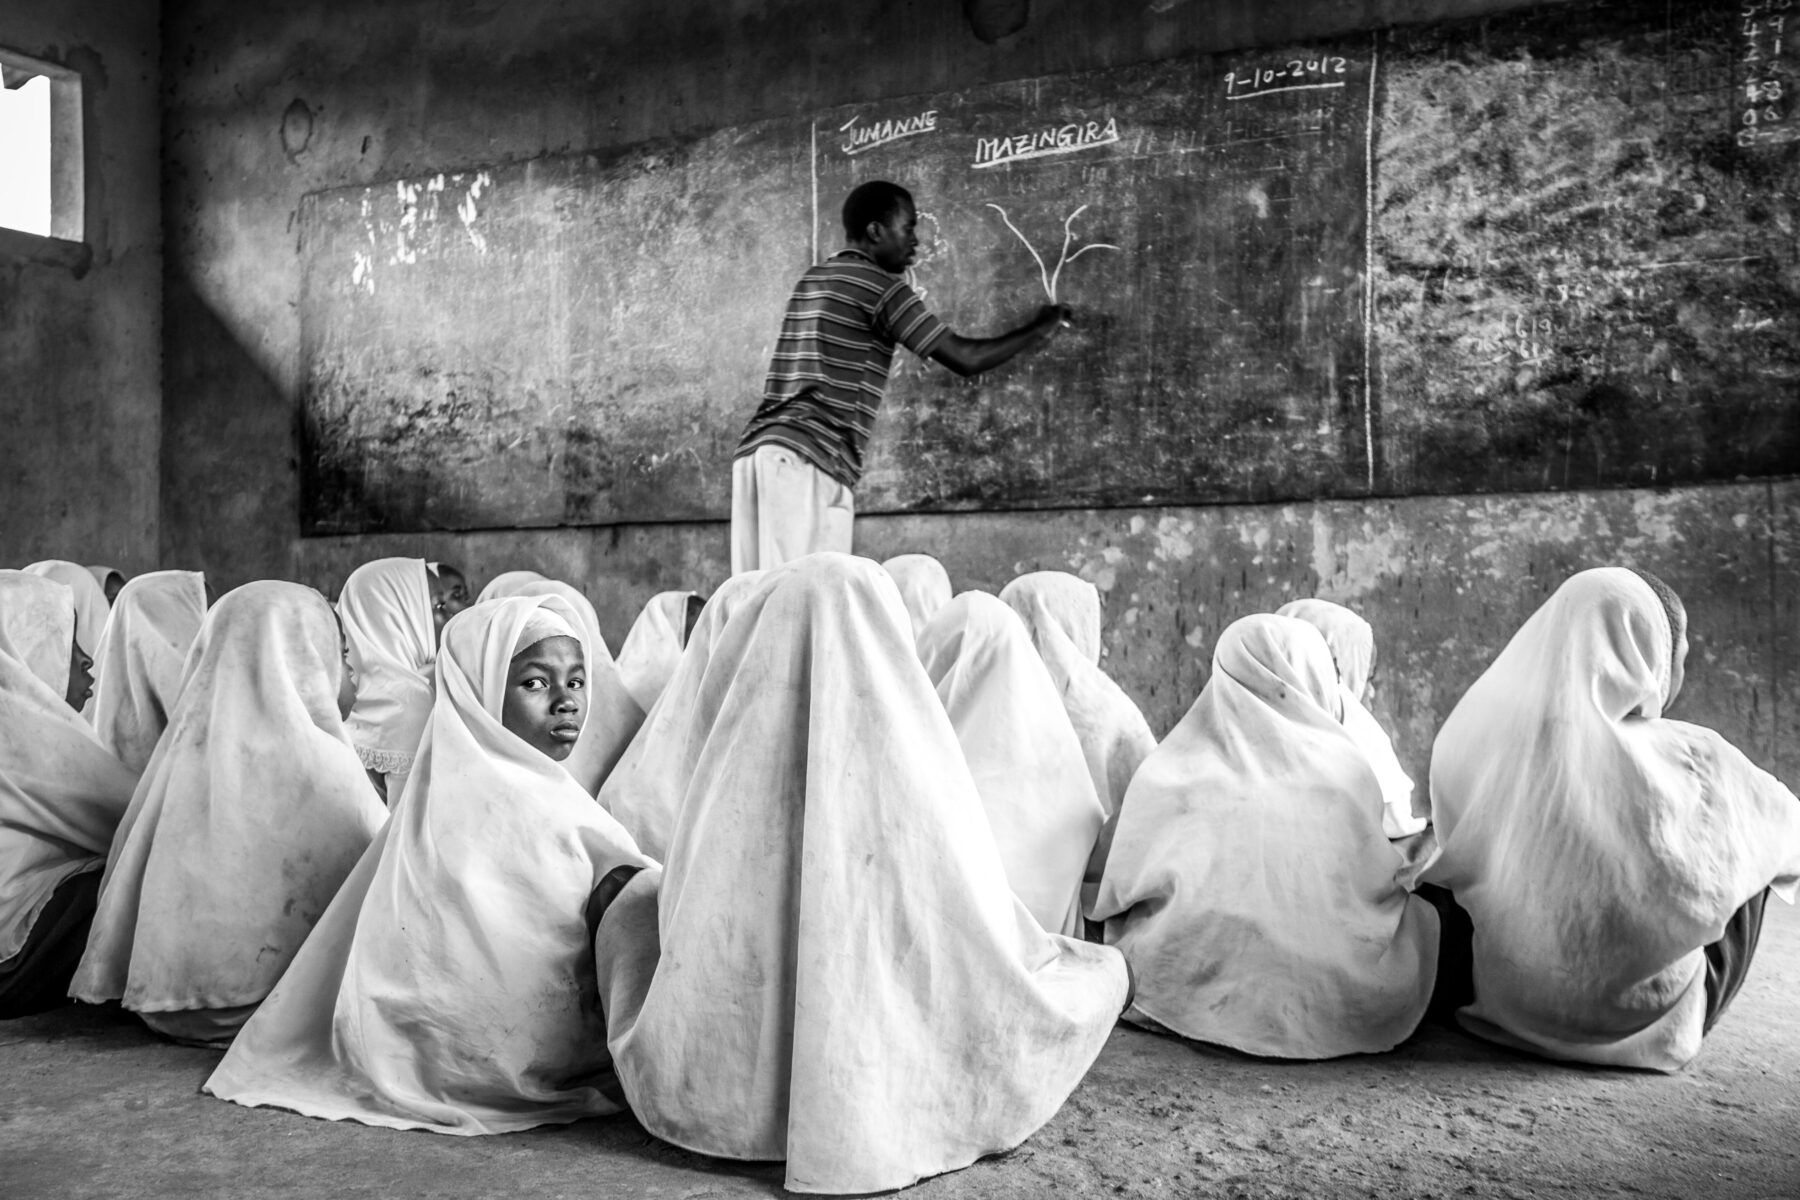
point(971, 356)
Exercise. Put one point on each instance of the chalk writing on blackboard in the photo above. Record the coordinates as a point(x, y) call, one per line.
point(1042, 143)
point(867, 137)
point(1763, 108)
point(1307, 74)
point(1049, 277)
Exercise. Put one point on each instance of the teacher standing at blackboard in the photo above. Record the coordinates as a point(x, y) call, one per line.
point(802, 453)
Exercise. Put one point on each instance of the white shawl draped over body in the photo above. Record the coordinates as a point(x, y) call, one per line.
point(1062, 613)
point(61, 793)
point(845, 979)
point(647, 801)
point(450, 986)
point(1596, 845)
point(508, 583)
point(1352, 643)
point(613, 717)
point(386, 610)
point(91, 610)
point(1021, 750)
point(1250, 883)
point(253, 810)
point(653, 647)
point(924, 586)
point(140, 660)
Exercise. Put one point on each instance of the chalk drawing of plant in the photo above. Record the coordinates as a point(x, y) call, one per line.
point(1050, 277)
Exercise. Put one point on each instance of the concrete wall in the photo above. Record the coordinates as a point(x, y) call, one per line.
point(268, 102)
point(81, 340)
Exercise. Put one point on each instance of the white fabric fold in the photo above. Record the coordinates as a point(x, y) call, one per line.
point(844, 981)
point(508, 583)
point(1352, 643)
point(1021, 750)
point(140, 660)
point(924, 586)
point(386, 610)
point(613, 717)
point(450, 986)
point(253, 810)
point(1250, 884)
point(61, 793)
point(1062, 613)
point(1596, 845)
point(645, 796)
point(91, 610)
point(653, 647)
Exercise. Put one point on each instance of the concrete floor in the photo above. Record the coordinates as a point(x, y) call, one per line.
point(91, 1105)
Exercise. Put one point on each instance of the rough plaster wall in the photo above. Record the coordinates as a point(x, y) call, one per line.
point(398, 88)
point(80, 357)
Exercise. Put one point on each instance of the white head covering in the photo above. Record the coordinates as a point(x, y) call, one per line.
point(1597, 846)
point(653, 647)
point(252, 812)
point(1062, 613)
point(508, 583)
point(450, 986)
point(61, 793)
point(1250, 884)
point(924, 585)
point(386, 610)
point(1021, 750)
point(613, 717)
point(140, 659)
point(1352, 644)
point(647, 802)
point(91, 610)
point(846, 982)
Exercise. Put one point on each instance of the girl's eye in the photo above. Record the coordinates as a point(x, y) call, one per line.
point(577, 683)
point(533, 685)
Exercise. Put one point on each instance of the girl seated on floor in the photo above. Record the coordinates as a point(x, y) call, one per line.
point(1610, 865)
point(924, 586)
point(91, 609)
point(1352, 644)
point(138, 666)
point(253, 810)
point(450, 986)
point(1021, 750)
point(844, 979)
point(654, 644)
point(61, 795)
point(1250, 883)
point(394, 610)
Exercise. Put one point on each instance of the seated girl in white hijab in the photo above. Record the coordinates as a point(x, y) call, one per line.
point(61, 795)
point(252, 812)
point(647, 803)
point(1021, 750)
point(654, 644)
point(845, 979)
point(924, 586)
point(450, 986)
point(138, 666)
point(111, 580)
point(392, 615)
point(1250, 884)
point(1352, 644)
point(91, 608)
point(1062, 613)
point(1613, 863)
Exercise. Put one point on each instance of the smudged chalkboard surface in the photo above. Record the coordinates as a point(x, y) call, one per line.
point(1563, 239)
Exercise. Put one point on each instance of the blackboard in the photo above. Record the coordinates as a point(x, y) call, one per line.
point(1549, 250)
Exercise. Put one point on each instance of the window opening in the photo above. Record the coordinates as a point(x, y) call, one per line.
point(41, 188)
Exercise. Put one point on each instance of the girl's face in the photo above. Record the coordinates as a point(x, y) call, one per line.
point(81, 680)
point(546, 695)
point(449, 595)
point(346, 676)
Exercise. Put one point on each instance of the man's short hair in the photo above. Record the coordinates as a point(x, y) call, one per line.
point(876, 200)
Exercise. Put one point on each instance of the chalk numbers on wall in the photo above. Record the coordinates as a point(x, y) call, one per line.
point(1307, 73)
point(1763, 107)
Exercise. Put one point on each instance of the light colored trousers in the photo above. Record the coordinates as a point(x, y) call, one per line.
point(783, 508)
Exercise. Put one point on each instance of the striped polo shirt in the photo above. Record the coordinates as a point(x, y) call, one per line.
point(830, 366)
